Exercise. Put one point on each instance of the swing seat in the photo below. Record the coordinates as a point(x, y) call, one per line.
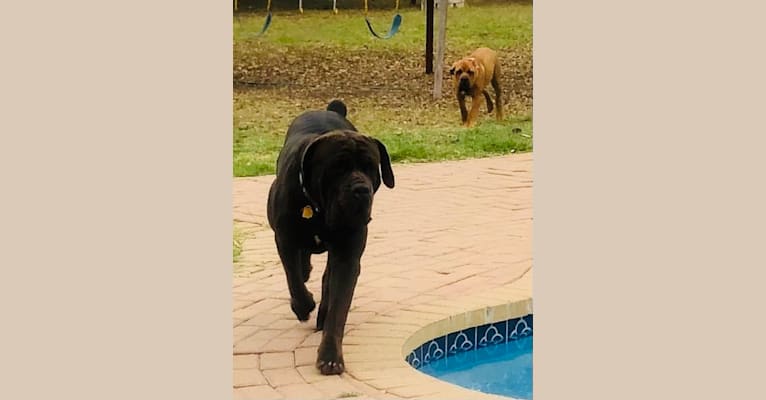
point(266, 25)
point(395, 23)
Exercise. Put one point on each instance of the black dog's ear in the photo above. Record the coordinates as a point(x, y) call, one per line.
point(308, 152)
point(338, 106)
point(386, 173)
point(452, 71)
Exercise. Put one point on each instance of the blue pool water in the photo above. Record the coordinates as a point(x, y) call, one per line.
point(504, 369)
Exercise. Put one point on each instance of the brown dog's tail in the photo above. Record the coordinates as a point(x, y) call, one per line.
point(338, 107)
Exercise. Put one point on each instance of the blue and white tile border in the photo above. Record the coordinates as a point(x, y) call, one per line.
point(469, 339)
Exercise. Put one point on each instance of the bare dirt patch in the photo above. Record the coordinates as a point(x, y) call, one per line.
point(394, 78)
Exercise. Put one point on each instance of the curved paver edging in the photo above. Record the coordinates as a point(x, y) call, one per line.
point(395, 376)
point(467, 320)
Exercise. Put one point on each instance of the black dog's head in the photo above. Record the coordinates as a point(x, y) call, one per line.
point(342, 170)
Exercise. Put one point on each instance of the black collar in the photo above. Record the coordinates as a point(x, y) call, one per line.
point(314, 204)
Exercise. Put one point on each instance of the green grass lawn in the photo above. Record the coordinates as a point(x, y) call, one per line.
point(303, 61)
point(493, 26)
point(422, 139)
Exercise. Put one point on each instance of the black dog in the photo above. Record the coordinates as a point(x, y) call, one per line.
point(321, 200)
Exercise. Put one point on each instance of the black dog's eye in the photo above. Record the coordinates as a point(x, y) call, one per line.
point(460, 71)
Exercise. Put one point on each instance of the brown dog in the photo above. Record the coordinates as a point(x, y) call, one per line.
point(472, 75)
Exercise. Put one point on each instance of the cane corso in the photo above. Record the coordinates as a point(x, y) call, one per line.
point(472, 75)
point(321, 200)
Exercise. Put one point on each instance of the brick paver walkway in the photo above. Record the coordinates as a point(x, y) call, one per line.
point(449, 238)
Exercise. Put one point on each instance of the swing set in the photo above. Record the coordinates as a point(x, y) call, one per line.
point(396, 22)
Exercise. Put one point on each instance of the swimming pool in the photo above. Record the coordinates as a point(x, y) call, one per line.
point(504, 369)
point(493, 358)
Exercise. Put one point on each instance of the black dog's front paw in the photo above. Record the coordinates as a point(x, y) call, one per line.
point(330, 359)
point(302, 308)
point(331, 367)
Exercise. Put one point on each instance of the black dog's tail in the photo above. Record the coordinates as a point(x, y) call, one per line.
point(337, 106)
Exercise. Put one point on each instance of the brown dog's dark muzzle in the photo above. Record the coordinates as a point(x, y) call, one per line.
point(464, 84)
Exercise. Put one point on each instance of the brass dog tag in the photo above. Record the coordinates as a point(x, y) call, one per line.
point(307, 212)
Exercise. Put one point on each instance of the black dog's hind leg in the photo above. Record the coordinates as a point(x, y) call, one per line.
point(301, 300)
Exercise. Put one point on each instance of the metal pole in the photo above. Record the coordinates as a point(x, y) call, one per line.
point(429, 36)
point(440, 45)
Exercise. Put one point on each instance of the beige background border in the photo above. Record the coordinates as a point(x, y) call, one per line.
point(115, 154)
point(649, 200)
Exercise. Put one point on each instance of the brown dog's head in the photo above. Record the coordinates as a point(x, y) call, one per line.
point(465, 72)
point(342, 170)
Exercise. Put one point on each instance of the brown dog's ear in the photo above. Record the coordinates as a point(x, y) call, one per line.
point(477, 65)
point(386, 173)
point(454, 67)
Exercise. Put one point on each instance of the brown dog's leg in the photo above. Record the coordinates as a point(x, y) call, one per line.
point(476, 101)
point(463, 110)
point(301, 300)
point(498, 92)
point(489, 101)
